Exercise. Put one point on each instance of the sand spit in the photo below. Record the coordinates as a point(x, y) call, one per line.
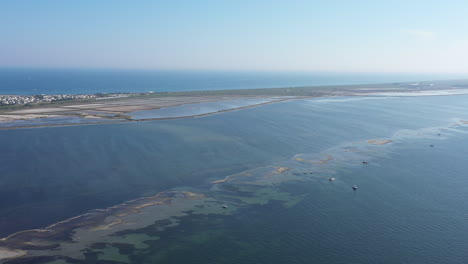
point(118, 112)
point(118, 109)
point(125, 103)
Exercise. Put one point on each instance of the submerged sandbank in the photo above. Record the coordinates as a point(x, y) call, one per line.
point(71, 238)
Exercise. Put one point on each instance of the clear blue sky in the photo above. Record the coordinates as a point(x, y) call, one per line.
point(327, 35)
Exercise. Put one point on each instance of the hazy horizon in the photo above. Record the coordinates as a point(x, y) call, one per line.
point(264, 36)
point(286, 71)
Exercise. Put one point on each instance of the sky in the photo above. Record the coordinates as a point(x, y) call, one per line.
point(330, 35)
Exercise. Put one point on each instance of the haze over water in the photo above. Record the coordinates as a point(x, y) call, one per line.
point(410, 206)
point(62, 81)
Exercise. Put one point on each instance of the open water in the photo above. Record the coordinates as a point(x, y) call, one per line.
point(74, 81)
point(410, 206)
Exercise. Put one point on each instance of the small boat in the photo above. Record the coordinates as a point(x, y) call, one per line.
point(224, 206)
point(354, 187)
point(331, 179)
point(364, 162)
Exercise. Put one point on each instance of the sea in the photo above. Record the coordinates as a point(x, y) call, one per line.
point(410, 206)
point(24, 81)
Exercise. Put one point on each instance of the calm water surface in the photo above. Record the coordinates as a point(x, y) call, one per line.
point(410, 207)
point(197, 109)
point(74, 81)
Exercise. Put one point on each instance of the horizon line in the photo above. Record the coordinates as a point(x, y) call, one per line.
point(225, 70)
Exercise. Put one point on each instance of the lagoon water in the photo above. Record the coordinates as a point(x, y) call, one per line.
point(410, 206)
point(188, 110)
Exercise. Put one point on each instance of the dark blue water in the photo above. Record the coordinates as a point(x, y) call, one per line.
point(48, 81)
point(410, 207)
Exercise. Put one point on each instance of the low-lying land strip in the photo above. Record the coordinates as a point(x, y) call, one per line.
point(105, 108)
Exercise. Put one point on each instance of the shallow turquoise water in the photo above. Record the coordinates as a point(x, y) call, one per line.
point(410, 206)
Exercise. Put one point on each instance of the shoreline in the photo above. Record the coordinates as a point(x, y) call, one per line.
point(153, 119)
point(130, 120)
point(118, 107)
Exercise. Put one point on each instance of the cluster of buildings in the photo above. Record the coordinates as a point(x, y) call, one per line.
point(31, 99)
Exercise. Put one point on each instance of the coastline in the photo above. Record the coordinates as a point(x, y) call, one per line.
point(128, 120)
point(119, 109)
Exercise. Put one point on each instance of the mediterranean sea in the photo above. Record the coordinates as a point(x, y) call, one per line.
point(72, 81)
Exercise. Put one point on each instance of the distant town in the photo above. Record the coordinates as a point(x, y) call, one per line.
point(42, 98)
